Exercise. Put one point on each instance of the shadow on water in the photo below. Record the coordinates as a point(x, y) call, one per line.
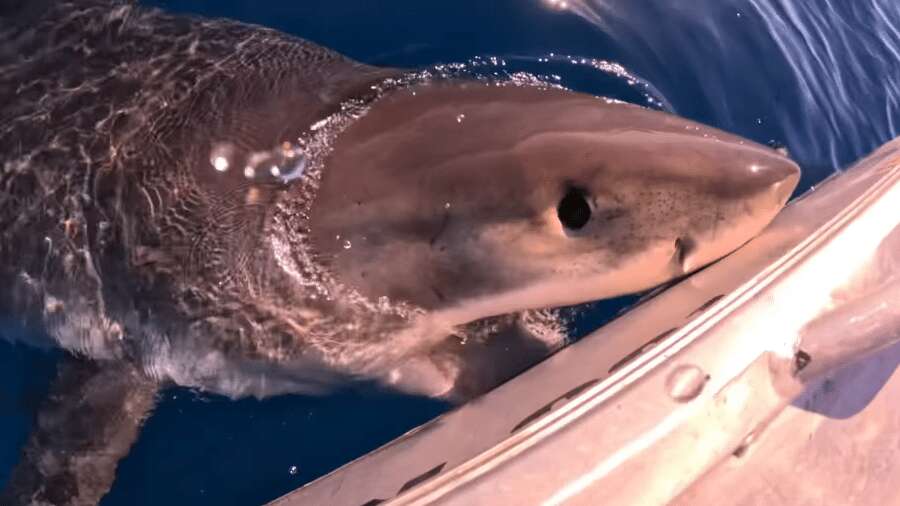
point(25, 375)
point(200, 449)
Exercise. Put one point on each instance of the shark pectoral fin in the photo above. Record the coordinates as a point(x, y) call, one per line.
point(498, 349)
point(88, 423)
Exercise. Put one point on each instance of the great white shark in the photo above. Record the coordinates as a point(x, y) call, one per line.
point(223, 206)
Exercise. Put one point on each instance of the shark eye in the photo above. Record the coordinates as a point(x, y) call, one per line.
point(573, 210)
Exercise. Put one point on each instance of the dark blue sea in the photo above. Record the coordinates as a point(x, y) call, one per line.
point(818, 77)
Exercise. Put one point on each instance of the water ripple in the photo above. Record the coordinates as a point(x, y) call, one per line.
point(823, 76)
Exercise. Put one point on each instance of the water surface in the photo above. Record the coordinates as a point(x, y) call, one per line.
point(817, 77)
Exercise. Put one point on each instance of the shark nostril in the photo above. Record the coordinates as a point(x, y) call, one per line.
point(684, 247)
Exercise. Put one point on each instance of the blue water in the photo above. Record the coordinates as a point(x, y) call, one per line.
point(818, 77)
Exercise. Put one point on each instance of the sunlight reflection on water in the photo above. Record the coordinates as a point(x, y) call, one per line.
point(840, 61)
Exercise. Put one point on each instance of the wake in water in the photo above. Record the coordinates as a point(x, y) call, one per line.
point(822, 77)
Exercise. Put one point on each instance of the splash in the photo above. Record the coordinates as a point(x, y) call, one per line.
point(609, 79)
point(823, 75)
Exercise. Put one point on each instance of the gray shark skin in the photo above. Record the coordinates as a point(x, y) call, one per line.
point(189, 201)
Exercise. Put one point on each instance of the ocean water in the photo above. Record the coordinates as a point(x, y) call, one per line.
point(818, 77)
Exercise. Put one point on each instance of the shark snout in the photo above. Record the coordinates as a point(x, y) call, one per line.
point(754, 184)
point(756, 174)
point(776, 180)
point(783, 188)
point(779, 176)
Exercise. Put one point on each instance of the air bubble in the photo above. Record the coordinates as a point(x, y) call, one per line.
point(293, 470)
point(220, 163)
point(285, 163)
point(221, 155)
point(347, 245)
point(293, 166)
